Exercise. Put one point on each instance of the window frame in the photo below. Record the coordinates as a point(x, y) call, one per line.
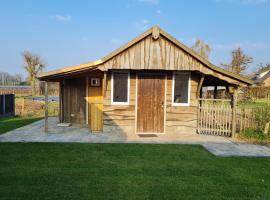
point(189, 87)
point(128, 88)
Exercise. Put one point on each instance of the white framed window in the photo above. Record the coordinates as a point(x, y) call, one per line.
point(120, 86)
point(181, 89)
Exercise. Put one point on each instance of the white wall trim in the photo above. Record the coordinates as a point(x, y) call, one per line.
point(189, 89)
point(128, 88)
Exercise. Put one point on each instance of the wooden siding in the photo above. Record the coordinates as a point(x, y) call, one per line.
point(179, 119)
point(95, 103)
point(182, 119)
point(119, 115)
point(160, 54)
point(267, 82)
point(74, 102)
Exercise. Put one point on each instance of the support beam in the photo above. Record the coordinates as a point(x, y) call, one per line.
point(46, 107)
point(104, 84)
point(60, 103)
point(200, 86)
point(215, 92)
point(234, 106)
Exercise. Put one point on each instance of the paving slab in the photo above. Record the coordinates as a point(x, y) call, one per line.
point(217, 145)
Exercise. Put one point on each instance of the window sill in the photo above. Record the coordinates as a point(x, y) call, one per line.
point(180, 104)
point(120, 103)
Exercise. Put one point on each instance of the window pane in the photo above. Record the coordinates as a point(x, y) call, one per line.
point(181, 88)
point(120, 87)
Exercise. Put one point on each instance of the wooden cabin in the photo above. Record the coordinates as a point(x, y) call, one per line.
point(151, 85)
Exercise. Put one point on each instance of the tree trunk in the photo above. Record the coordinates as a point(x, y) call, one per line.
point(33, 84)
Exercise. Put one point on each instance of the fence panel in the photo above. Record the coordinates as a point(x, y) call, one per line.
point(252, 118)
point(215, 117)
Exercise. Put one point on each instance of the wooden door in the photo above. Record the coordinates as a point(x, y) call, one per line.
point(95, 107)
point(150, 103)
point(74, 105)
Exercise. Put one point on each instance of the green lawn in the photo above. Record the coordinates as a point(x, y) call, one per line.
point(127, 171)
point(8, 124)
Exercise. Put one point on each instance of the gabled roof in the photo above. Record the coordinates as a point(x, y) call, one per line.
point(155, 32)
point(262, 79)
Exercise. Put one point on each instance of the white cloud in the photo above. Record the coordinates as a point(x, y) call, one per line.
point(84, 38)
point(116, 41)
point(61, 18)
point(188, 41)
point(155, 2)
point(142, 25)
point(244, 1)
point(244, 45)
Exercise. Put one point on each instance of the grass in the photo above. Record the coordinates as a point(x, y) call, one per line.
point(11, 123)
point(254, 136)
point(128, 171)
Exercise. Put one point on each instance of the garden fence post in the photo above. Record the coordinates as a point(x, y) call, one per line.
point(234, 105)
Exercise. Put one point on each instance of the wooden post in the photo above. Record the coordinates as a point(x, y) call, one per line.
point(199, 89)
point(46, 107)
point(60, 102)
point(104, 84)
point(215, 92)
point(22, 111)
point(234, 104)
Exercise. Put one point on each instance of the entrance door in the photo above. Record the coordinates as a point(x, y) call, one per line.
point(95, 108)
point(150, 103)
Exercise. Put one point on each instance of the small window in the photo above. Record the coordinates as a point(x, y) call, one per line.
point(95, 82)
point(181, 89)
point(120, 88)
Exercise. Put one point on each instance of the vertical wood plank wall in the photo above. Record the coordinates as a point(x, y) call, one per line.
point(95, 103)
point(74, 102)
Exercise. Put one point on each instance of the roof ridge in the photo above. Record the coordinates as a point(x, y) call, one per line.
point(152, 31)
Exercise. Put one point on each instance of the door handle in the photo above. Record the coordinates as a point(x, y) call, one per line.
point(162, 104)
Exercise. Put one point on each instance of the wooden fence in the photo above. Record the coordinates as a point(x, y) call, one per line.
point(252, 118)
point(258, 92)
point(53, 90)
point(215, 117)
point(7, 105)
point(31, 107)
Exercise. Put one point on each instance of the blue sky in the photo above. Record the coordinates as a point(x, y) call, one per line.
point(71, 32)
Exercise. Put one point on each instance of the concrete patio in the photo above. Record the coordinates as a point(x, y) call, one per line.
point(217, 145)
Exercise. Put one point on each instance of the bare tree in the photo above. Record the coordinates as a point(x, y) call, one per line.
point(7, 79)
point(239, 63)
point(202, 48)
point(33, 65)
